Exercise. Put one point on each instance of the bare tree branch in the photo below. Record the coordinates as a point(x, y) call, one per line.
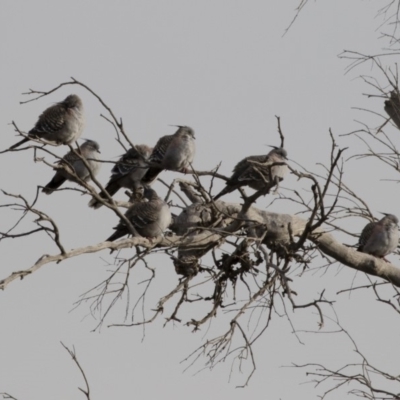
point(72, 353)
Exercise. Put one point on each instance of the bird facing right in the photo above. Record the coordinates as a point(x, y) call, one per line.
point(126, 173)
point(380, 238)
point(257, 171)
point(172, 152)
point(61, 123)
point(149, 218)
point(89, 151)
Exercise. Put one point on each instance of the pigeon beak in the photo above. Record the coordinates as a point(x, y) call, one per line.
point(99, 151)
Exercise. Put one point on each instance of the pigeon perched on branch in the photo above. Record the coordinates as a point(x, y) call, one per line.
point(380, 238)
point(126, 173)
point(172, 152)
point(257, 171)
point(149, 218)
point(392, 107)
point(89, 151)
point(61, 123)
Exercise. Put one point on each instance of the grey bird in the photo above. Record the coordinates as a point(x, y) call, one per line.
point(380, 238)
point(172, 152)
point(249, 172)
point(89, 151)
point(61, 123)
point(150, 218)
point(392, 107)
point(126, 173)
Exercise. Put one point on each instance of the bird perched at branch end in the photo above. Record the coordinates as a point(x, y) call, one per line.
point(380, 238)
point(61, 123)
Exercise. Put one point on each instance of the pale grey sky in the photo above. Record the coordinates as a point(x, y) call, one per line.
point(223, 68)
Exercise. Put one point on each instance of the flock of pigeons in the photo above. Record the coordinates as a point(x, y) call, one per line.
point(136, 170)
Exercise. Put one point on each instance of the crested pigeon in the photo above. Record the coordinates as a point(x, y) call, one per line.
point(392, 107)
point(250, 172)
point(126, 173)
point(172, 152)
point(149, 218)
point(380, 238)
point(89, 151)
point(61, 123)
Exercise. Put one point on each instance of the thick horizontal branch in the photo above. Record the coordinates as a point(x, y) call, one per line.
point(354, 259)
point(279, 227)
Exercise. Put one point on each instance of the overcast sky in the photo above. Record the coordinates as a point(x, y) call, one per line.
point(223, 68)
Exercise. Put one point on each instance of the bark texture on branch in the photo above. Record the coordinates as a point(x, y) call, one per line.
point(201, 229)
